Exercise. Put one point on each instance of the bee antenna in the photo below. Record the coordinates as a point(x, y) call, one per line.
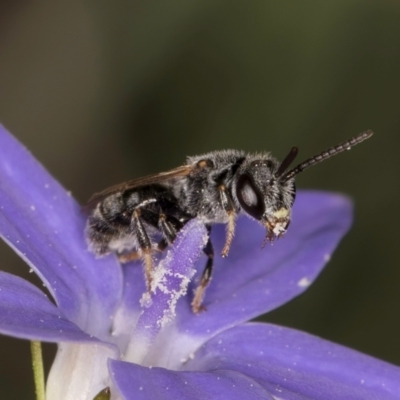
point(287, 161)
point(325, 155)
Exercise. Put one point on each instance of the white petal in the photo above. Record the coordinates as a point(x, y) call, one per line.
point(79, 371)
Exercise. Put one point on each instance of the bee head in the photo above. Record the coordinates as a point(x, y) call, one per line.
point(265, 189)
point(263, 196)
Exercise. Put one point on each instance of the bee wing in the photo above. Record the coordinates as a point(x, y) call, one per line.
point(178, 172)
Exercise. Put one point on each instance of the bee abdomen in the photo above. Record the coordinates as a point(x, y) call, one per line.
point(110, 220)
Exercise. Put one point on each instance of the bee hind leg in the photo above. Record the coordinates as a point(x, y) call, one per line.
point(167, 229)
point(130, 256)
point(145, 247)
point(135, 255)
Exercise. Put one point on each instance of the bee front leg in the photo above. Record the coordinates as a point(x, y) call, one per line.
point(205, 277)
point(229, 207)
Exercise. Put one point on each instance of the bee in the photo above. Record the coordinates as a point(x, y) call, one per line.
point(215, 187)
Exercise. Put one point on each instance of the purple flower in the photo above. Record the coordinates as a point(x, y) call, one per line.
point(110, 333)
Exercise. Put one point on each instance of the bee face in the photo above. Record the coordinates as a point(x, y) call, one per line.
point(264, 197)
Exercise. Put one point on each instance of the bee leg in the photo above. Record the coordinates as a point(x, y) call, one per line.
point(167, 229)
point(135, 255)
point(205, 277)
point(162, 245)
point(144, 246)
point(228, 205)
point(126, 257)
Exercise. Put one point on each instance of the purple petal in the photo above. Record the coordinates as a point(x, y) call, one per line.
point(27, 313)
point(252, 281)
point(134, 283)
point(135, 382)
point(45, 226)
point(170, 276)
point(294, 365)
point(170, 281)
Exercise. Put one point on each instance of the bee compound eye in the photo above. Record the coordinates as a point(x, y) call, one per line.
point(250, 197)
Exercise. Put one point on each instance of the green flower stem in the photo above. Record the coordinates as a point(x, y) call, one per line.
point(38, 373)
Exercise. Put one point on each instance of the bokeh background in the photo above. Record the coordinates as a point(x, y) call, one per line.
point(106, 91)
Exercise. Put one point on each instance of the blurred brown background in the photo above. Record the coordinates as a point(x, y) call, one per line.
point(104, 91)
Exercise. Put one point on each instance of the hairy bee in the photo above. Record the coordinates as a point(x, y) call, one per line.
point(215, 187)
